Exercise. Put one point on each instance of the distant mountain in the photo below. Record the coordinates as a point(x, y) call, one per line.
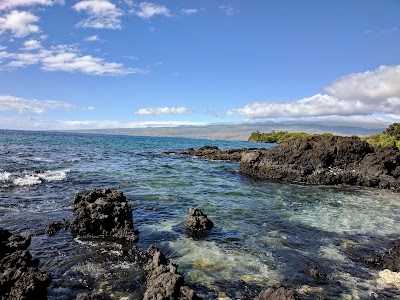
point(240, 132)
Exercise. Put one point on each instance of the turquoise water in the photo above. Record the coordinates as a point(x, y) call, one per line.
point(264, 233)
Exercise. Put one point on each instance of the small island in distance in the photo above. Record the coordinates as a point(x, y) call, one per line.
point(390, 137)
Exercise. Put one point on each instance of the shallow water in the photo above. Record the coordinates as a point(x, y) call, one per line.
point(264, 233)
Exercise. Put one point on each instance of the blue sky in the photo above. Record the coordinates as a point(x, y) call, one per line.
point(124, 63)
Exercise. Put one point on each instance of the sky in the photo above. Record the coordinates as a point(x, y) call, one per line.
point(82, 64)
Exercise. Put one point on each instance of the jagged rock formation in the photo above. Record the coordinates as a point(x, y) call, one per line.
point(326, 160)
point(20, 277)
point(103, 213)
point(163, 281)
point(197, 222)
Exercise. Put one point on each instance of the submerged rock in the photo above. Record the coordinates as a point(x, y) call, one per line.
point(20, 277)
point(388, 260)
point(197, 222)
point(53, 227)
point(277, 292)
point(103, 213)
point(163, 281)
point(325, 160)
point(91, 296)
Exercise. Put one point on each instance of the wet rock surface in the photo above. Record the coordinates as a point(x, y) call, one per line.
point(53, 227)
point(91, 296)
point(163, 281)
point(103, 213)
point(197, 222)
point(20, 277)
point(277, 292)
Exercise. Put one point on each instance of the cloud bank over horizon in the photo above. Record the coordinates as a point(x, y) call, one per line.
point(358, 94)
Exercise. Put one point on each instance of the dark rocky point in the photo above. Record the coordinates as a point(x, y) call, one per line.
point(53, 227)
point(197, 222)
point(20, 277)
point(326, 160)
point(213, 152)
point(163, 281)
point(103, 213)
point(277, 292)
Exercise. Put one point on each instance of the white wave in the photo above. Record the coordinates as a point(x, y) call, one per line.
point(4, 176)
point(53, 175)
point(27, 180)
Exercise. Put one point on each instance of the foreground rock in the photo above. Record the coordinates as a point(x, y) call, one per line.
point(163, 281)
point(325, 160)
point(197, 222)
point(20, 277)
point(276, 292)
point(103, 213)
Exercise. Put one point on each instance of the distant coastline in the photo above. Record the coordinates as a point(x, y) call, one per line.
point(237, 132)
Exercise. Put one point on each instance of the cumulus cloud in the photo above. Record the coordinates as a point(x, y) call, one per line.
point(164, 111)
point(21, 105)
point(370, 86)
point(19, 23)
point(9, 4)
point(367, 93)
point(65, 58)
point(102, 14)
point(32, 45)
point(146, 10)
point(188, 11)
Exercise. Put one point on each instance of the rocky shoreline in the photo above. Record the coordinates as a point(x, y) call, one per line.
point(106, 213)
point(318, 160)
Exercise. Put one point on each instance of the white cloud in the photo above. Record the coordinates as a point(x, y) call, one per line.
point(361, 94)
point(20, 23)
point(146, 10)
point(214, 114)
point(21, 105)
point(228, 9)
point(9, 4)
point(102, 14)
point(64, 58)
point(164, 111)
point(370, 86)
point(32, 45)
point(92, 38)
point(188, 11)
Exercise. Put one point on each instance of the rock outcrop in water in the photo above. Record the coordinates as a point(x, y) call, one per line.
point(103, 213)
point(20, 277)
point(213, 152)
point(326, 160)
point(197, 222)
point(318, 160)
point(163, 281)
point(53, 227)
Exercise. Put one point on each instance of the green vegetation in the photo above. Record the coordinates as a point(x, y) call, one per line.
point(389, 138)
point(278, 136)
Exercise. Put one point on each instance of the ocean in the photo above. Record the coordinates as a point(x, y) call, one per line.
point(265, 232)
